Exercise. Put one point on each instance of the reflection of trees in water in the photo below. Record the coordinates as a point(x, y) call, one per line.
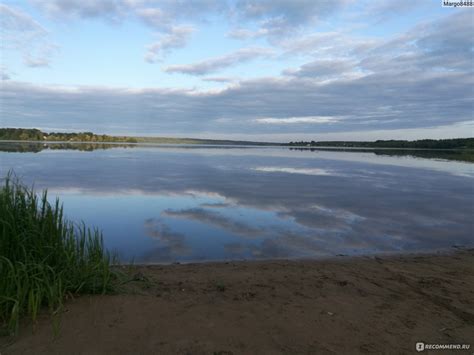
point(20, 147)
point(466, 155)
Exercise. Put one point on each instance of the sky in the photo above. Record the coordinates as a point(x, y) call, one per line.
point(264, 70)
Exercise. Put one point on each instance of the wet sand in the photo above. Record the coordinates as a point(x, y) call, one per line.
point(337, 306)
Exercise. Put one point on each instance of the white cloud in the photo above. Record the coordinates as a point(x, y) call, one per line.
point(279, 18)
point(292, 120)
point(64, 9)
point(323, 68)
point(20, 32)
point(242, 33)
point(328, 44)
point(154, 17)
point(214, 64)
point(220, 79)
point(176, 38)
point(379, 11)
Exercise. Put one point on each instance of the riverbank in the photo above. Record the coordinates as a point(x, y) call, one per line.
point(342, 305)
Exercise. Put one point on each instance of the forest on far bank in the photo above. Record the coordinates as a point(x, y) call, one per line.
point(32, 134)
point(454, 143)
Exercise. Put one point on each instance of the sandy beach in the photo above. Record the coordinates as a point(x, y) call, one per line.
point(342, 305)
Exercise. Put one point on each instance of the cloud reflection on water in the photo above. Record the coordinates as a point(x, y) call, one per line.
point(260, 205)
point(216, 219)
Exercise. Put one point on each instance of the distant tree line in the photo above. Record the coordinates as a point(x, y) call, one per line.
point(21, 134)
point(30, 134)
point(456, 143)
point(25, 134)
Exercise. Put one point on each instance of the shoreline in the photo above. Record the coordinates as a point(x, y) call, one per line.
point(188, 141)
point(367, 304)
point(336, 257)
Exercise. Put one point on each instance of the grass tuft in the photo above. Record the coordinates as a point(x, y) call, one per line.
point(43, 256)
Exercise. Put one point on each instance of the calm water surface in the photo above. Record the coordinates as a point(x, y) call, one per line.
point(198, 203)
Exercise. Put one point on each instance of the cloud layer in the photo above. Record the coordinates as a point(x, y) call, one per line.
point(328, 80)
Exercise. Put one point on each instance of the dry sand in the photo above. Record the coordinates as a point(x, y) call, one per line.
point(338, 306)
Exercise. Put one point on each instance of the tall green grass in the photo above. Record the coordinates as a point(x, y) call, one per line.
point(43, 256)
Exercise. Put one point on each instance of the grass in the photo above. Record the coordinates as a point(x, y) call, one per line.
point(44, 257)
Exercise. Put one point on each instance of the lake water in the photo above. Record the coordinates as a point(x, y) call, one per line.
point(201, 203)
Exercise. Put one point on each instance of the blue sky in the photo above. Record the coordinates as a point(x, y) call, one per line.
point(245, 69)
